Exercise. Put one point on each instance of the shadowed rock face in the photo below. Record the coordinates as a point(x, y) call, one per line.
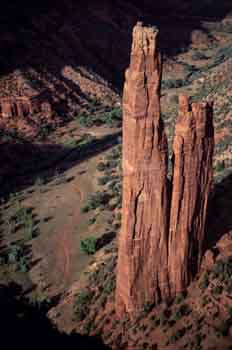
point(192, 175)
point(142, 266)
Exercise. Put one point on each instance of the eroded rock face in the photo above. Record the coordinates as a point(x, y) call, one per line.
point(22, 107)
point(14, 107)
point(142, 275)
point(192, 175)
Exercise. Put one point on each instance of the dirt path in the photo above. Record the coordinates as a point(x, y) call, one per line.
point(56, 253)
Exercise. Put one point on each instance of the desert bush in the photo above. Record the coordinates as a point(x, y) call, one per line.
point(112, 118)
point(101, 166)
point(177, 335)
point(179, 298)
point(183, 310)
point(222, 54)
point(228, 287)
point(89, 245)
point(223, 328)
point(147, 307)
point(85, 120)
point(205, 300)
point(108, 287)
point(92, 221)
point(14, 254)
point(95, 201)
point(22, 264)
point(199, 56)
point(229, 309)
point(205, 281)
point(217, 290)
point(82, 302)
point(85, 209)
point(220, 166)
point(172, 83)
point(104, 180)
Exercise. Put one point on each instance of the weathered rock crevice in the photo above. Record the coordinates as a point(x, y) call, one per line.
point(160, 244)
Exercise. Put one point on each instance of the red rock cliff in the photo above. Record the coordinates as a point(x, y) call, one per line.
point(142, 264)
point(192, 174)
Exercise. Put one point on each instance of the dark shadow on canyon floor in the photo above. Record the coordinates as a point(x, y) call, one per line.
point(24, 163)
point(25, 325)
point(219, 219)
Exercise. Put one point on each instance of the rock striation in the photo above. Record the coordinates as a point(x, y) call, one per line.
point(192, 175)
point(162, 234)
point(13, 107)
point(26, 116)
point(143, 261)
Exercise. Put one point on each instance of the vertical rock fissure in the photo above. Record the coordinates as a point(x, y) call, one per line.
point(135, 210)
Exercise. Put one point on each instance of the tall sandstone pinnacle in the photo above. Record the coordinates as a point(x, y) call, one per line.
point(142, 275)
point(192, 175)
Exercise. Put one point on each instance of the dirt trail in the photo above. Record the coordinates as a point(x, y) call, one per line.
point(56, 250)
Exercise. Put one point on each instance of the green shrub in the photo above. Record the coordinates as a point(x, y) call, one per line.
point(217, 290)
point(205, 300)
point(14, 254)
point(222, 54)
point(177, 335)
point(104, 180)
point(97, 199)
point(85, 209)
point(224, 327)
point(220, 166)
point(183, 310)
point(179, 298)
point(199, 56)
point(112, 118)
point(21, 214)
point(172, 83)
point(82, 303)
point(92, 221)
point(71, 142)
point(22, 265)
point(85, 120)
point(230, 310)
point(89, 245)
point(205, 281)
point(109, 287)
point(101, 166)
point(147, 307)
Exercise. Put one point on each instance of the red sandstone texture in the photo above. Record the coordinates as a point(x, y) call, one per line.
point(192, 175)
point(159, 258)
point(25, 115)
point(21, 107)
point(142, 264)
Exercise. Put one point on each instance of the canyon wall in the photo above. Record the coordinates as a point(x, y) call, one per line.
point(11, 107)
point(142, 263)
point(160, 243)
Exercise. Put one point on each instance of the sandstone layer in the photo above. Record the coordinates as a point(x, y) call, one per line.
point(22, 107)
point(142, 275)
point(192, 175)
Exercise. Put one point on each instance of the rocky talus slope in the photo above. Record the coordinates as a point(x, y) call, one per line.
point(153, 265)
